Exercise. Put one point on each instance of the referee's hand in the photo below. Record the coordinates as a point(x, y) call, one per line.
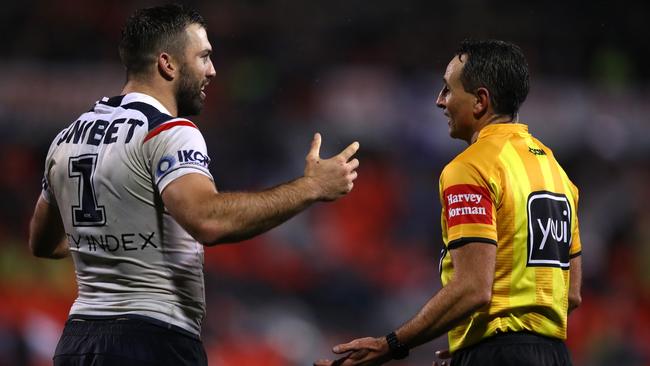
point(443, 355)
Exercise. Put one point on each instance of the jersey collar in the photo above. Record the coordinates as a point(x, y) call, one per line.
point(140, 97)
point(503, 129)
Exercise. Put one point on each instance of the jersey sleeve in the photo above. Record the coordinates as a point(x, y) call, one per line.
point(176, 148)
point(468, 209)
point(576, 245)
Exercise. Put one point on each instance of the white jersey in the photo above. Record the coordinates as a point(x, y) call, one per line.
point(105, 172)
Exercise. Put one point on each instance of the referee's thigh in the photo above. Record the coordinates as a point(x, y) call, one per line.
point(126, 343)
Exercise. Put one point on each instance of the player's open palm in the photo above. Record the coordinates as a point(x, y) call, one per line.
point(333, 177)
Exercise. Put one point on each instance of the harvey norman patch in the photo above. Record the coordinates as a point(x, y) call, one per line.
point(467, 204)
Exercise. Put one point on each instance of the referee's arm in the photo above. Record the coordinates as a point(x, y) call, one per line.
point(469, 289)
point(575, 282)
point(46, 233)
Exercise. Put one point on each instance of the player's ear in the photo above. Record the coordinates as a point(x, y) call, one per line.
point(482, 101)
point(166, 66)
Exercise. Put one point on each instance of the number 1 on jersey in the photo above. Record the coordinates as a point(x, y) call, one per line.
point(88, 212)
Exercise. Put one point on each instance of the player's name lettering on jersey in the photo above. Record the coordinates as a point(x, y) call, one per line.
point(467, 211)
point(99, 131)
point(464, 197)
point(112, 243)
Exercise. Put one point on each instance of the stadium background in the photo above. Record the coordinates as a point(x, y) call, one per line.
point(366, 70)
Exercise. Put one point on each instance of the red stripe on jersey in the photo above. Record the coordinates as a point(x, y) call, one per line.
point(166, 126)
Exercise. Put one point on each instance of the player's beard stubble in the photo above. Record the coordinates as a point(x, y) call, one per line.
point(188, 93)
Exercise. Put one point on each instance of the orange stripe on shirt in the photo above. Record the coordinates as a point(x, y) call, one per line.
point(166, 126)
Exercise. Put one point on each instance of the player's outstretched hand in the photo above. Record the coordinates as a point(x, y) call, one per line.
point(333, 177)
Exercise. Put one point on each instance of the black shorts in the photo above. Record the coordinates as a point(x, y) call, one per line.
point(126, 342)
point(514, 349)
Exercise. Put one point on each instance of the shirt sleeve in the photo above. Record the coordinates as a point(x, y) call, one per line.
point(468, 210)
point(576, 245)
point(176, 148)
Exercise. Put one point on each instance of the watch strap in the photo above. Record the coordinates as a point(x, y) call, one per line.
point(397, 349)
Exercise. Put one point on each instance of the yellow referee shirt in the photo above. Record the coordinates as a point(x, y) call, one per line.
point(507, 189)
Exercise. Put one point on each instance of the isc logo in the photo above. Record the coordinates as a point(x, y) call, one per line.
point(549, 229)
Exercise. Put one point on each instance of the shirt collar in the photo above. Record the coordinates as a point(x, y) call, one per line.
point(502, 129)
point(140, 97)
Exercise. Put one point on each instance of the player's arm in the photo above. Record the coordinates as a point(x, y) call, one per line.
point(46, 233)
point(469, 289)
point(213, 218)
point(575, 282)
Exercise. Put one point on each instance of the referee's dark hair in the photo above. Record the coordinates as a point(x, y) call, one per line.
point(498, 66)
point(150, 31)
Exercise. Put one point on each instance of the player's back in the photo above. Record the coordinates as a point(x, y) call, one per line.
point(105, 173)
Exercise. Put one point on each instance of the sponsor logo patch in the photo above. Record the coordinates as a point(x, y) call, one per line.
point(193, 157)
point(549, 229)
point(166, 163)
point(467, 204)
point(182, 158)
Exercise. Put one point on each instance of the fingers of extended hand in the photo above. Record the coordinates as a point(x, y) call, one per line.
point(349, 151)
point(356, 345)
point(359, 354)
point(353, 164)
point(338, 362)
point(314, 152)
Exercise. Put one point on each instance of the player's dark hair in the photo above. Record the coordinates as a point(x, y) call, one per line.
point(498, 66)
point(150, 31)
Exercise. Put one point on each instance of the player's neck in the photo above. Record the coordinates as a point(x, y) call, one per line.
point(163, 93)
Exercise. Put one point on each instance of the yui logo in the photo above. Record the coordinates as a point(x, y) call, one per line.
point(549, 229)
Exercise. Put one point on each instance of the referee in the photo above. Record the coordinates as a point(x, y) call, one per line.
point(511, 265)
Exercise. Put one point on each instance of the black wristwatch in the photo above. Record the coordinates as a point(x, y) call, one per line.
point(398, 350)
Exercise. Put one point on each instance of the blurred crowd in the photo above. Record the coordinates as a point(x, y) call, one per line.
point(364, 264)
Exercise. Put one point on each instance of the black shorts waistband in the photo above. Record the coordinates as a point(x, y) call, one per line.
point(126, 320)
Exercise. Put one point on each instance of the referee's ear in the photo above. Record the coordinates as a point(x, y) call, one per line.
point(166, 66)
point(482, 102)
